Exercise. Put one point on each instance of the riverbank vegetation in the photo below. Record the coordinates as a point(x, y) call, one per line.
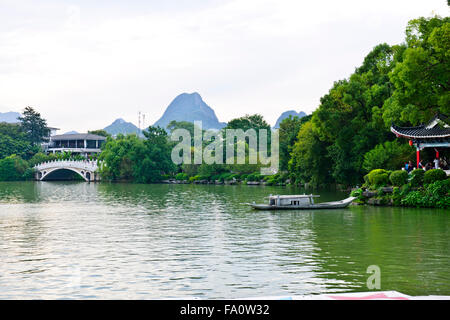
point(348, 135)
point(344, 142)
point(419, 188)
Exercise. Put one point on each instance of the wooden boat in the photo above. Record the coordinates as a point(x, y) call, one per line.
point(297, 202)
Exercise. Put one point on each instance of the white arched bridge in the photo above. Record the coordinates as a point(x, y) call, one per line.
point(88, 170)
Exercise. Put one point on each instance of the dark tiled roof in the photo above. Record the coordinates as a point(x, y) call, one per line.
point(77, 136)
point(441, 117)
point(421, 132)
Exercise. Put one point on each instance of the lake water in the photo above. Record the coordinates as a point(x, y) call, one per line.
point(129, 241)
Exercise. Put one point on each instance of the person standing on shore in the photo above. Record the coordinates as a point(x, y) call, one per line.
point(436, 163)
point(409, 167)
point(420, 165)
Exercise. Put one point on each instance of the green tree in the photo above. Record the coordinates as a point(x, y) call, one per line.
point(12, 168)
point(117, 156)
point(189, 126)
point(288, 133)
point(156, 157)
point(245, 123)
point(421, 77)
point(100, 132)
point(390, 155)
point(309, 161)
point(13, 140)
point(348, 120)
point(34, 126)
point(140, 160)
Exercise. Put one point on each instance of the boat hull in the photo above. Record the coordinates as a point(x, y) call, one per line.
point(324, 205)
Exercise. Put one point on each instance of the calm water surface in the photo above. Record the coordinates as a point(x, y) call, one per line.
point(128, 241)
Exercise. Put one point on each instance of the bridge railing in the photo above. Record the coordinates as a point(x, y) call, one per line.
point(79, 164)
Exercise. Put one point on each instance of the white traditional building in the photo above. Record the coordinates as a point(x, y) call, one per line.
point(84, 144)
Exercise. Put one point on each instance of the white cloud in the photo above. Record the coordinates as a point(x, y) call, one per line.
point(83, 67)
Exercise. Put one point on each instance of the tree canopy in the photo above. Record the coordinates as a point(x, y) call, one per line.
point(421, 76)
point(141, 160)
point(288, 132)
point(34, 126)
point(13, 140)
point(407, 84)
point(100, 132)
point(246, 122)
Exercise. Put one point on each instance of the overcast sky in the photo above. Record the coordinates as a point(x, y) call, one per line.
point(83, 64)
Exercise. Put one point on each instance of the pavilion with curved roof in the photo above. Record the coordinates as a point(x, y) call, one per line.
point(435, 134)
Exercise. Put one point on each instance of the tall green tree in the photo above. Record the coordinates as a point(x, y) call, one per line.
point(117, 157)
point(156, 158)
point(348, 119)
point(288, 133)
point(421, 77)
point(247, 122)
point(34, 126)
point(310, 162)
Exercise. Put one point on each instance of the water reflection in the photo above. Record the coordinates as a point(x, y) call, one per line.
point(80, 240)
point(14, 192)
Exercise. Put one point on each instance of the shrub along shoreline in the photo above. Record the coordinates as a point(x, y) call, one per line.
point(227, 178)
point(419, 188)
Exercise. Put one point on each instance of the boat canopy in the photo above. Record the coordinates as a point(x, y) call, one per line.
point(294, 196)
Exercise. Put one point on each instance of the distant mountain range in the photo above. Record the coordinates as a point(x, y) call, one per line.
point(10, 117)
point(121, 126)
point(185, 107)
point(190, 107)
point(286, 114)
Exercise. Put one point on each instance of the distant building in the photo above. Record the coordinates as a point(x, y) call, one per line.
point(84, 144)
point(53, 131)
point(47, 138)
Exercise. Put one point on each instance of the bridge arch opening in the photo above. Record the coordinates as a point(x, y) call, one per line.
point(63, 174)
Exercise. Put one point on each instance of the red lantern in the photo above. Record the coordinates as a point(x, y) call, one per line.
point(410, 143)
